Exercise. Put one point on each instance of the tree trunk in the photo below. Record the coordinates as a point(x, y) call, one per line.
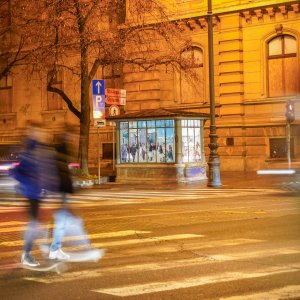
point(83, 150)
point(84, 143)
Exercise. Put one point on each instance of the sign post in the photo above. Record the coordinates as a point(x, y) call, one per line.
point(98, 92)
point(290, 117)
point(98, 153)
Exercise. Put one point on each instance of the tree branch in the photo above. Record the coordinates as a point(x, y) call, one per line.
point(94, 6)
point(67, 100)
point(17, 57)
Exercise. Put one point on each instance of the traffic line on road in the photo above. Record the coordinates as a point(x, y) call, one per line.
point(12, 223)
point(131, 197)
point(287, 292)
point(163, 265)
point(10, 209)
point(242, 212)
point(147, 240)
point(159, 248)
point(112, 234)
point(188, 282)
point(23, 228)
point(189, 246)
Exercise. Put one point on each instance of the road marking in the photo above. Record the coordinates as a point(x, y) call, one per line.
point(157, 209)
point(136, 196)
point(188, 282)
point(155, 266)
point(22, 228)
point(242, 212)
point(4, 224)
point(147, 240)
point(11, 209)
point(79, 237)
point(160, 248)
point(287, 292)
point(190, 246)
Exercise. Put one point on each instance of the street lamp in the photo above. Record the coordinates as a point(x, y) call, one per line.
point(213, 161)
point(290, 117)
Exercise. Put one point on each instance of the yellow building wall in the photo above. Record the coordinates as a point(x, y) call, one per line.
point(244, 112)
point(241, 31)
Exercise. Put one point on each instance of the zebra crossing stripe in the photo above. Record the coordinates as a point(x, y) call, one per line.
point(147, 240)
point(137, 196)
point(80, 237)
point(4, 224)
point(188, 282)
point(10, 209)
point(155, 266)
point(287, 292)
point(189, 246)
point(162, 248)
point(22, 228)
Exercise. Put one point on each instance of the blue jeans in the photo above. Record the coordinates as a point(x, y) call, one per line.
point(60, 220)
point(65, 223)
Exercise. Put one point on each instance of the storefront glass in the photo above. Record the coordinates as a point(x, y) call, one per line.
point(191, 140)
point(147, 141)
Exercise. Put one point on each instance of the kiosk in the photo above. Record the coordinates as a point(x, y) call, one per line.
point(162, 145)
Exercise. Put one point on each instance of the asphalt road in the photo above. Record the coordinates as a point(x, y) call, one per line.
point(179, 242)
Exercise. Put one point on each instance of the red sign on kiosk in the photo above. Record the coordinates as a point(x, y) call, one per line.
point(115, 96)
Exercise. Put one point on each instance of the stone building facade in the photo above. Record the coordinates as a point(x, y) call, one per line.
point(256, 63)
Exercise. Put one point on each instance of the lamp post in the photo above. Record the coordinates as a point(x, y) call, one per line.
point(213, 161)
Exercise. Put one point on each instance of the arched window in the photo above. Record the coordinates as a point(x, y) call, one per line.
point(192, 87)
point(283, 69)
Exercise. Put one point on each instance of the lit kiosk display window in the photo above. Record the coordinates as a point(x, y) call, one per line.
point(160, 146)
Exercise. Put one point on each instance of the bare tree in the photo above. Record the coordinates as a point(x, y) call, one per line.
point(83, 35)
point(12, 44)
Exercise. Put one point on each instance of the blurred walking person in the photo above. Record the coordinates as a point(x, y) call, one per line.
point(65, 187)
point(35, 173)
point(66, 224)
point(27, 173)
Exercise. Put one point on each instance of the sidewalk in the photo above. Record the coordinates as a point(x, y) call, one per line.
point(253, 180)
point(229, 180)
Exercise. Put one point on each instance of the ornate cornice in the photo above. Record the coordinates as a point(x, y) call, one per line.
point(196, 23)
point(271, 12)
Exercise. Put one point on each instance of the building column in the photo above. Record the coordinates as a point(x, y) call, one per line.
point(178, 142)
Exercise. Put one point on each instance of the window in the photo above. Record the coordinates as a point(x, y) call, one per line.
point(278, 148)
point(54, 101)
point(192, 89)
point(145, 141)
point(230, 141)
point(283, 72)
point(191, 140)
point(121, 11)
point(113, 75)
point(107, 150)
point(5, 95)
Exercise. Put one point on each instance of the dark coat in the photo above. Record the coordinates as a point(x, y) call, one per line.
point(64, 175)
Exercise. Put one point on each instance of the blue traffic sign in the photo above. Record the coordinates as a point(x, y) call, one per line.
point(98, 87)
point(98, 101)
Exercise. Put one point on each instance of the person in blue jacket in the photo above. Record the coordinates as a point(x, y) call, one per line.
point(27, 174)
point(35, 173)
